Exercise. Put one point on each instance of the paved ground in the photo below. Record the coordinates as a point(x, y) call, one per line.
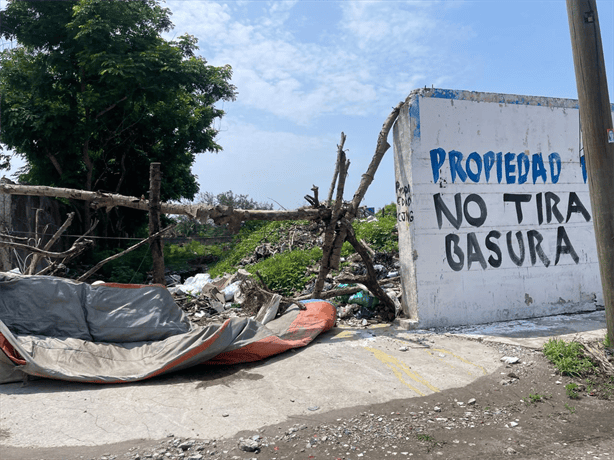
point(343, 368)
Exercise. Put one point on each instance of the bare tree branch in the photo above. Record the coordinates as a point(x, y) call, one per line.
point(117, 256)
point(380, 150)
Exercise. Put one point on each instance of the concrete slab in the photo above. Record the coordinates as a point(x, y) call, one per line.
point(534, 333)
point(343, 368)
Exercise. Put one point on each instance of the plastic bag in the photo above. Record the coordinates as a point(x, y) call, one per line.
point(363, 299)
point(231, 291)
point(194, 284)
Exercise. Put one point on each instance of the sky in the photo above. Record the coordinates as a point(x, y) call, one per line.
point(308, 70)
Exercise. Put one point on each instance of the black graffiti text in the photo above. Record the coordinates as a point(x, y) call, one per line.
point(514, 245)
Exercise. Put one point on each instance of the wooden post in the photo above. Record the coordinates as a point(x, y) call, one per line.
point(596, 123)
point(157, 254)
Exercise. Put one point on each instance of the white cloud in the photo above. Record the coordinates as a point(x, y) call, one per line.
point(356, 71)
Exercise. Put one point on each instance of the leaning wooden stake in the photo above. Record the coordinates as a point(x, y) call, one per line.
point(157, 254)
point(329, 235)
point(380, 150)
point(329, 200)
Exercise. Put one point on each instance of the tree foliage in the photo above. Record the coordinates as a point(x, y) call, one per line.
point(94, 93)
point(231, 199)
point(190, 227)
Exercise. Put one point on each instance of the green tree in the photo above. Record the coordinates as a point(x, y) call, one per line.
point(93, 94)
point(231, 199)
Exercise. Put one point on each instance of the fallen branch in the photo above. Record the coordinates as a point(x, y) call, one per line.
point(117, 256)
point(596, 353)
point(219, 214)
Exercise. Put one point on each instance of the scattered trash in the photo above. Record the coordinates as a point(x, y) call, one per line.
point(313, 408)
point(193, 285)
point(403, 349)
point(231, 290)
point(510, 359)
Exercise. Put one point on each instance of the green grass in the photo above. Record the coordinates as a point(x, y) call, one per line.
point(251, 235)
point(285, 272)
point(568, 358)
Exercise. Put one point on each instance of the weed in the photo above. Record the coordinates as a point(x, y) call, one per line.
point(567, 357)
point(607, 342)
point(535, 398)
point(285, 272)
point(571, 409)
point(572, 390)
point(487, 408)
point(425, 438)
point(590, 385)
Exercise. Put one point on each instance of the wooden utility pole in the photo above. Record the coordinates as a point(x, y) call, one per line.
point(155, 178)
point(596, 123)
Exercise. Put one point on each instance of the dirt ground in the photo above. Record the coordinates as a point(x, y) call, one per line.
point(520, 411)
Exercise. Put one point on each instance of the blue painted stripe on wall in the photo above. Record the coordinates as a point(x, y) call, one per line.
point(500, 98)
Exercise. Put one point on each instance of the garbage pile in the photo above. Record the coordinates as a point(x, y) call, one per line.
point(206, 300)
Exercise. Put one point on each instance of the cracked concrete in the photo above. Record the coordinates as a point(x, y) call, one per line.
point(343, 368)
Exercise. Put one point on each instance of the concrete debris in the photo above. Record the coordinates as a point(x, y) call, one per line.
point(248, 445)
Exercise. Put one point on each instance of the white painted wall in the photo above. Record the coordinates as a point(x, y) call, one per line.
point(440, 289)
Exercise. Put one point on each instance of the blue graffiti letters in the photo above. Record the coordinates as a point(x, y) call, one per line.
point(511, 168)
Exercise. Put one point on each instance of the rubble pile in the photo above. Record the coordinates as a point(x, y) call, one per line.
point(207, 300)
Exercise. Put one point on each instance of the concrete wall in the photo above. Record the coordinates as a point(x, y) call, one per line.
point(493, 208)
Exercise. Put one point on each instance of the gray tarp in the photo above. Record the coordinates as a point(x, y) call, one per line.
point(58, 328)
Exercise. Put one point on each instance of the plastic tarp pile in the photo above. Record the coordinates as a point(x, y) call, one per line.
point(57, 328)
